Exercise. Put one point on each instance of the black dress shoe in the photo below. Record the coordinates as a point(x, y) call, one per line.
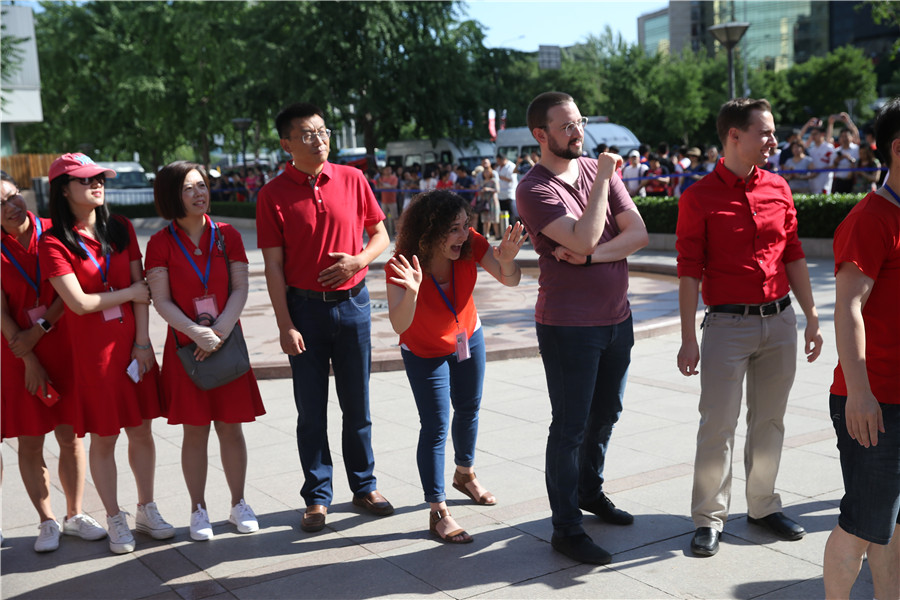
point(606, 510)
point(580, 548)
point(705, 542)
point(780, 525)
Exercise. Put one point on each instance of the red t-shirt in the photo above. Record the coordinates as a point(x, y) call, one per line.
point(869, 237)
point(737, 236)
point(312, 216)
point(432, 332)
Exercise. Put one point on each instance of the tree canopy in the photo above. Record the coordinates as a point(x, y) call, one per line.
point(165, 78)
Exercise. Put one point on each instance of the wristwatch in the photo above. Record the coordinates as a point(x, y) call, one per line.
point(45, 325)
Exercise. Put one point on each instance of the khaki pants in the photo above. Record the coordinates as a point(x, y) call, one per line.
point(765, 350)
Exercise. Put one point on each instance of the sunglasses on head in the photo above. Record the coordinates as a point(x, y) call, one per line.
point(99, 178)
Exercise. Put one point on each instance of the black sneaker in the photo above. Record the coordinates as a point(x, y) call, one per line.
point(580, 548)
point(606, 510)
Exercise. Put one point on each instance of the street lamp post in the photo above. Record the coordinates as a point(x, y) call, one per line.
point(729, 34)
point(243, 125)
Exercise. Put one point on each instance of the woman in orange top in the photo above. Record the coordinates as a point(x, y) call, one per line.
point(429, 287)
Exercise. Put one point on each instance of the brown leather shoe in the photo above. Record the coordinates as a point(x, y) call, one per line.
point(314, 518)
point(375, 503)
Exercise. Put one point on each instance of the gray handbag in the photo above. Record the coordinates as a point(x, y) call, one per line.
point(223, 366)
point(229, 362)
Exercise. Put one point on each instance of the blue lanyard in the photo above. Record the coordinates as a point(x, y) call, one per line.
point(36, 282)
point(204, 277)
point(893, 193)
point(444, 296)
point(103, 271)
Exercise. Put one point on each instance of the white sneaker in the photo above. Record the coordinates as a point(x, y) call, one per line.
point(149, 521)
point(84, 527)
point(48, 539)
point(243, 517)
point(201, 530)
point(121, 540)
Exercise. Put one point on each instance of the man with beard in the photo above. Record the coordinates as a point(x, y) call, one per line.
point(583, 224)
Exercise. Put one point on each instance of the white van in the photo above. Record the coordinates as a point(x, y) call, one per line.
point(129, 186)
point(516, 141)
point(443, 150)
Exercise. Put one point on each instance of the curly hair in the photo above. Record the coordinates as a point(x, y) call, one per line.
point(425, 222)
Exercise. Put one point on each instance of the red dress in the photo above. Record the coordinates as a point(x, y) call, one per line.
point(22, 413)
point(235, 402)
point(101, 349)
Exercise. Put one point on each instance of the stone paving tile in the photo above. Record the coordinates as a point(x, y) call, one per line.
point(649, 473)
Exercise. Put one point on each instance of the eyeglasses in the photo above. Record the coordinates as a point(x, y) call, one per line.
point(100, 178)
point(307, 137)
point(190, 187)
point(569, 128)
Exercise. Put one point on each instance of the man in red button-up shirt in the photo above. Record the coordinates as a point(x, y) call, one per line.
point(737, 233)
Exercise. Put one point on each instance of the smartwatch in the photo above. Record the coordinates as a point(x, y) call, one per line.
point(45, 325)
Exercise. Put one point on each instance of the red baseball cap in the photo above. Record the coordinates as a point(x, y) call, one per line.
point(77, 165)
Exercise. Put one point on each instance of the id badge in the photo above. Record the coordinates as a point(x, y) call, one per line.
point(36, 313)
point(113, 313)
point(462, 346)
point(206, 310)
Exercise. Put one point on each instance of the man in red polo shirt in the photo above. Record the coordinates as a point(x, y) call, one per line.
point(310, 222)
point(737, 232)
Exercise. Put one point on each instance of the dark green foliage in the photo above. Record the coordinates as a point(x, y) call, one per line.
point(660, 214)
point(818, 215)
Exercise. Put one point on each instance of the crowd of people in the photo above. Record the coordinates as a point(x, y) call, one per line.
point(816, 163)
point(77, 357)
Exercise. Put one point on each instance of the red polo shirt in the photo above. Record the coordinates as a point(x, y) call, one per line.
point(736, 236)
point(311, 216)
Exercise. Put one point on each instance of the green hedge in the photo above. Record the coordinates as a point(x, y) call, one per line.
point(818, 215)
point(245, 210)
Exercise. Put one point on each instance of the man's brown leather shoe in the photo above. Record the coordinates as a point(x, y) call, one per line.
point(314, 518)
point(375, 503)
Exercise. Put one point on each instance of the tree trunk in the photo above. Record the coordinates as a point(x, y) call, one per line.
point(368, 125)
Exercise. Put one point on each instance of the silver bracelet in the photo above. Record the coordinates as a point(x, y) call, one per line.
point(139, 347)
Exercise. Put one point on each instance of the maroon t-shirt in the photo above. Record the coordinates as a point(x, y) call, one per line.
point(574, 295)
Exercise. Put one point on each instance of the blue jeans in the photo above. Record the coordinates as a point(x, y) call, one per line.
point(336, 334)
point(436, 384)
point(586, 369)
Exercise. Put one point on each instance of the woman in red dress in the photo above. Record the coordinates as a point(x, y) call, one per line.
point(93, 261)
point(35, 389)
point(197, 271)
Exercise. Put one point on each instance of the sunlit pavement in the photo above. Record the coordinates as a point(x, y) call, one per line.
point(359, 556)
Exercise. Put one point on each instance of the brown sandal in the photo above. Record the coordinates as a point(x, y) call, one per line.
point(436, 516)
point(461, 481)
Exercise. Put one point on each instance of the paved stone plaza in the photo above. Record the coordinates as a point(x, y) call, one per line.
point(359, 556)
